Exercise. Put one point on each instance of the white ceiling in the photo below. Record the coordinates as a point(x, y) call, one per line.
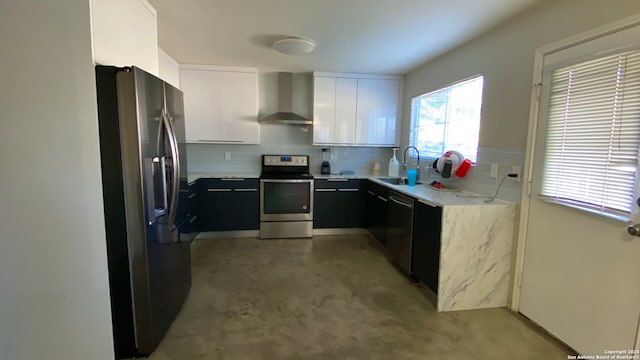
point(363, 36)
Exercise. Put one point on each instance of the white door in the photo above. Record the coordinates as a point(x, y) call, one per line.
point(581, 277)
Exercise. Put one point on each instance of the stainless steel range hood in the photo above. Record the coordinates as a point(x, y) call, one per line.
point(285, 113)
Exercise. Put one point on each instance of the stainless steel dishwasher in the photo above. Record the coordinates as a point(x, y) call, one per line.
point(399, 230)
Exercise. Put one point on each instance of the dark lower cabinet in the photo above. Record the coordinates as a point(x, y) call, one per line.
point(189, 226)
point(425, 256)
point(376, 211)
point(338, 203)
point(228, 204)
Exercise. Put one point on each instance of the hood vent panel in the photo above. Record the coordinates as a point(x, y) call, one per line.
point(285, 113)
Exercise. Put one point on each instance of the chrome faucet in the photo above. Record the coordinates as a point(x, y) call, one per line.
point(405, 161)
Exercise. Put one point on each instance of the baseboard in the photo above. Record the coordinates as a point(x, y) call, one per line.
point(228, 234)
point(341, 231)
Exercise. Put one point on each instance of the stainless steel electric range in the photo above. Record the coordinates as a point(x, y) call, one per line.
point(286, 197)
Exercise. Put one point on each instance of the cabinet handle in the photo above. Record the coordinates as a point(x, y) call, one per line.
point(245, 190)
point(371, 192)
point(338, 179)
point(218, 190)
point(325, 190)
point(428, 204)
point(401, 203)
point(220, 141)
point(349, 190)
point(232, 179)
point(193, 219)
point(184, 191)
point(192, 196)
point(383, 199)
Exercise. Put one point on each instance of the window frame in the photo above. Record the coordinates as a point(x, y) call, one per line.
point(413, 137)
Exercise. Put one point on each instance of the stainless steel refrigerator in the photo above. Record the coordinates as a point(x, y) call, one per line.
point(145, 187)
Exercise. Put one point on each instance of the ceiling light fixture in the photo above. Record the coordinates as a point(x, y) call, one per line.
point(294, 46)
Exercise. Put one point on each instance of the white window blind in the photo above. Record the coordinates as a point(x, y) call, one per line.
point(448, 119)
point(593, 134)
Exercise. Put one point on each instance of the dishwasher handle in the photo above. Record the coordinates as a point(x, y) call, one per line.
point(400, 202)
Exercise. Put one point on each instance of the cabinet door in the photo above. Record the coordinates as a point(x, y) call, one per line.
point(221, 106)
point(427, 226)
point(202, 120)
point(245, 208)
point(324, 208)
point(324, 109)
point(344, 127)
point(238, 107)
point(228, 205)
point(377, 112)
point(338, 204)
point(376, 212)
point(387, 112)
point(366, 115)
point(350, 207)
point(125, 33)
point(215, 215)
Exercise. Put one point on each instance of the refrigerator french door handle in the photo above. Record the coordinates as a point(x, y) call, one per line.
point(175, 158)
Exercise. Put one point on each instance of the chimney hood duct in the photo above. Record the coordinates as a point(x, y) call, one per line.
point(285, 113)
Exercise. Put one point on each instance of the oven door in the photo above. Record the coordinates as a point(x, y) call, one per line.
point(286, 200)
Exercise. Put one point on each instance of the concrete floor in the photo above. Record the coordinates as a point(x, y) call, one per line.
point(333, 297)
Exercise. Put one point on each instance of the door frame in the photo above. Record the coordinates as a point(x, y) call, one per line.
point(534, 110)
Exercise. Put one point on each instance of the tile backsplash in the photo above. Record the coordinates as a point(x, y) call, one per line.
point(478, 179)
point(283, 139)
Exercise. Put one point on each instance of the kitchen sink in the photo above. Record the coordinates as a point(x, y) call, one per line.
point(396, 181)
point(392, 181)
point(440, 187)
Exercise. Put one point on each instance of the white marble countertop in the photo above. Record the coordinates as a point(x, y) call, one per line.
point(440, 198)
point(420, 192)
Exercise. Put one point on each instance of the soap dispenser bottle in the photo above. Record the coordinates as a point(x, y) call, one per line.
point(394, 165)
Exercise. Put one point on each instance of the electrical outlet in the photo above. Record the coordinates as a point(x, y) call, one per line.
point(517, 170)
point(494, 170)
point(227, 155)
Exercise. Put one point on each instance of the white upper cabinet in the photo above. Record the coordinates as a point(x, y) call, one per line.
point(356, 109)
point(220, 104)
point(168, 68)
point(334, 104)
point(377, 115)
point(125, 33)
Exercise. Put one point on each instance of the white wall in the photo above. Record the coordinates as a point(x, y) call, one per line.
point(54, 295)
point(168, 68)
point(505, 57)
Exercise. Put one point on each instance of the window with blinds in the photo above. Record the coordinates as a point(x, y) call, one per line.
point(448, 119)
point(593, 134)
